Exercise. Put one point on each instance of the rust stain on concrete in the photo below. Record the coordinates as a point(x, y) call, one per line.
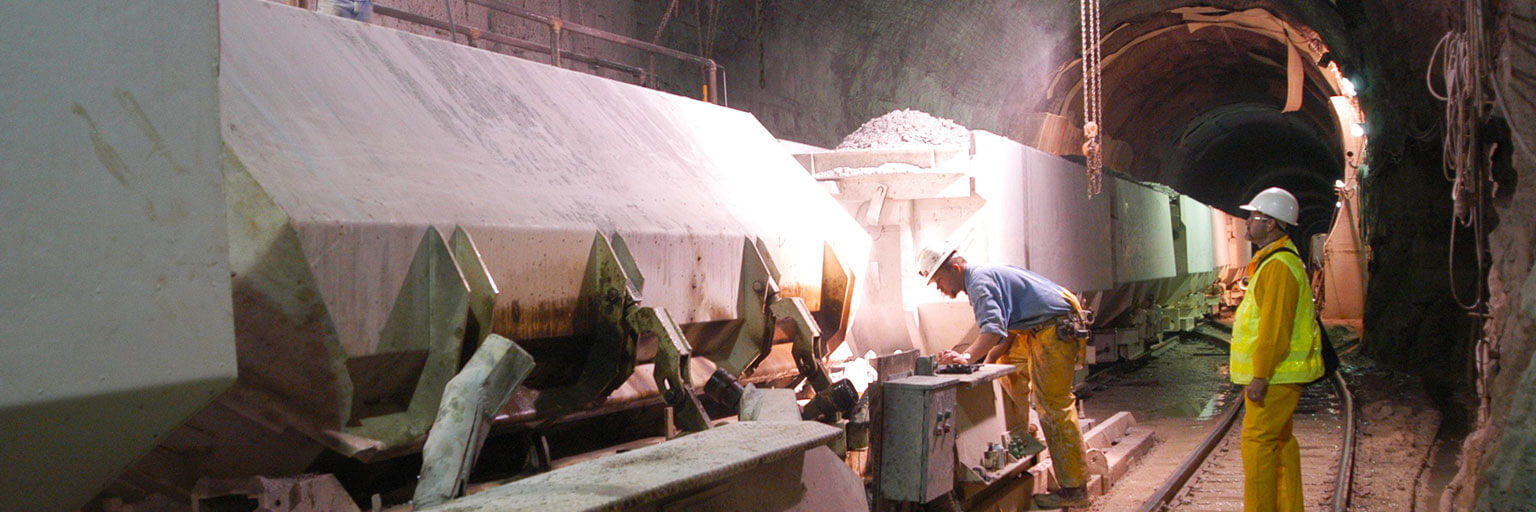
point(105, 153)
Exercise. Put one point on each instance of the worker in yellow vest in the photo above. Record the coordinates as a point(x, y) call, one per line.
point(1276, 348)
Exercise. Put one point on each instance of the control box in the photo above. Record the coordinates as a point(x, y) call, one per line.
point(917, 448)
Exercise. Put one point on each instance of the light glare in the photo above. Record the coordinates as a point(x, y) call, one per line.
point(1347, 87)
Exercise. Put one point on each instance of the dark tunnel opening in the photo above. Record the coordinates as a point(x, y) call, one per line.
point(1200, 106)
point(1234, 151)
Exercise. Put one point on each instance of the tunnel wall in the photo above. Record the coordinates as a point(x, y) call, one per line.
point(1500, 456)
point(850, 61)
point(637, 20)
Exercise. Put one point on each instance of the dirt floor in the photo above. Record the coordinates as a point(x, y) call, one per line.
point(1396, 428)
point(1397, 423)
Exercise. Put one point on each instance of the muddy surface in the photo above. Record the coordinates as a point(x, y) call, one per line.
point(1179, 393)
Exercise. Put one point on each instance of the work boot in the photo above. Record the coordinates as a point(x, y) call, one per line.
point(1062, 498)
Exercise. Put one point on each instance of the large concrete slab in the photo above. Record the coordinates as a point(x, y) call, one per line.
point(115, 310)
point(639, 479)
point(1143, 233)
point(1197, 236)
point(353, 129)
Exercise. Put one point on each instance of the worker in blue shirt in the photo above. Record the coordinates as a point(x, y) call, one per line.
point(1036, 325)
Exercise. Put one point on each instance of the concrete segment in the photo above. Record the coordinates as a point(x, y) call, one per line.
point(115, 317)
point(656, 473)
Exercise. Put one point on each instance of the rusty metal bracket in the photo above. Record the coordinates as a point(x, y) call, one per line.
point(607, 294)
point(671, 364)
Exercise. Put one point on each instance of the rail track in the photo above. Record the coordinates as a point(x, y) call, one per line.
point(1211, 478)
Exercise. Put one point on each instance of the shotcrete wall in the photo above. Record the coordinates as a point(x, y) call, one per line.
point(984, 64)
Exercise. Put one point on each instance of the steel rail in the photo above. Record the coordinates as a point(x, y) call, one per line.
point(1341, 491)
point(1170, 488)
point(1341, 488)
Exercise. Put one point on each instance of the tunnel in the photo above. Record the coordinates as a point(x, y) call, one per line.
point(254, 248)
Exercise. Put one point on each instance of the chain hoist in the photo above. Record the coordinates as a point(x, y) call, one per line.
point(1093, 101)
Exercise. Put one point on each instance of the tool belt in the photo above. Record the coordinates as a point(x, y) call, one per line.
point(1071, 326)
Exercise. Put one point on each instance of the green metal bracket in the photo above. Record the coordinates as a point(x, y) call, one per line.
point(671, 364)
point(756, 289)
point(606, 294)
point(482, 290)
point(760, 309)
point(609, 306)
point(397, 390)
point(791, 315)
point(470, 403)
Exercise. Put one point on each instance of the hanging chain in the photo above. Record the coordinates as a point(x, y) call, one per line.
point(1093, 102)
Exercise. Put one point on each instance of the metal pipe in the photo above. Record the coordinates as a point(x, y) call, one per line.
point(452, 27)
point(714, 91)
point(592, 32)
point(475, 33)
point(1192, 463)
point(554, 43)
point(710, 66)
point(1341, 488)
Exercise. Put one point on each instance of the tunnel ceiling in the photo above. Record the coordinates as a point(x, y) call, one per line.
point(1194, 97)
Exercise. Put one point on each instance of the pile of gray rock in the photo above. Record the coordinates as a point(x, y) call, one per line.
point(906, 128)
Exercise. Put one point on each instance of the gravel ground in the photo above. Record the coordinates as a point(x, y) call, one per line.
point(907, 128)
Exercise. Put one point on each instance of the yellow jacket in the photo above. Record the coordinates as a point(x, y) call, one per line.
point(1275, 335)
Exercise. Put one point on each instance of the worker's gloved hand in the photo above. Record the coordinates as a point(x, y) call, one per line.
point(952, 357)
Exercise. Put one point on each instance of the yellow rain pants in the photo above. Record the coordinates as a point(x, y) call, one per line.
point(1046, 365)
point(1271, 457)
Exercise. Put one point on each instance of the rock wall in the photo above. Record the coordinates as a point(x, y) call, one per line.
point(1500, 456)
point(814, 71)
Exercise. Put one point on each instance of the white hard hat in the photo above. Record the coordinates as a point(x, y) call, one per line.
point(1276, 203)
point(933, 257)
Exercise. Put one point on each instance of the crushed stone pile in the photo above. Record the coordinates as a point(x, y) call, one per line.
point(906, 128)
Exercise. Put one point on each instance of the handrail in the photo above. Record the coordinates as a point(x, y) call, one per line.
point(711, 68)
point(475, 33)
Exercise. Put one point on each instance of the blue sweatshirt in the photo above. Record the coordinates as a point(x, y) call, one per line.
point(1008, 297)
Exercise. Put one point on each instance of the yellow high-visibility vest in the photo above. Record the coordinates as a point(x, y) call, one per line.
point(1304, 362)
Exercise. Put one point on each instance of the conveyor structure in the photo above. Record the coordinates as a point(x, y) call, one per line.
point(252, 237)
point(1144, 257)
point(382, 203)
